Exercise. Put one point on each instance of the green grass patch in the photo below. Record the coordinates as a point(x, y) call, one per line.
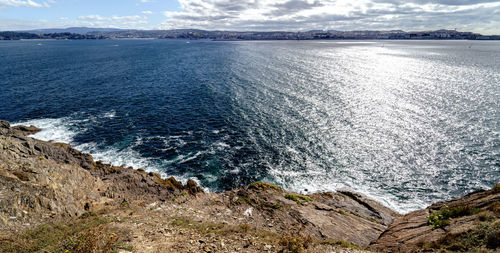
point(443, 217)
point(247, 200)
point(269, 205)
point(297, 198)
point(263, 186)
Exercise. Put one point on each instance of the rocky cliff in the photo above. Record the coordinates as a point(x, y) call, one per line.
point(55, 198)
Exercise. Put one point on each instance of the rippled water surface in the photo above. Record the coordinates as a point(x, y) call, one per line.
point(405, 122)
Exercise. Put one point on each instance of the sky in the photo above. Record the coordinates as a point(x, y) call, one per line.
point(482, 16)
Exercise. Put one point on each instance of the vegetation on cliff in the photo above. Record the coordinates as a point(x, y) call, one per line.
point(56, 199)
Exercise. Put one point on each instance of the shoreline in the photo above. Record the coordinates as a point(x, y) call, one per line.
point(67, 136)
point(52, 183)
point(63, 134)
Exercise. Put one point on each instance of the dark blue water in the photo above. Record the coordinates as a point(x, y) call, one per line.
point(407, 123)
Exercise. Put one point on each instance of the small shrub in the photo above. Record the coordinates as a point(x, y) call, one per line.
point(342, 212)
point(442, 218)
point(295, 242)
point(124, 203)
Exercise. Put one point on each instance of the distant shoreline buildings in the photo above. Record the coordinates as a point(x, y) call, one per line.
point(192, 34)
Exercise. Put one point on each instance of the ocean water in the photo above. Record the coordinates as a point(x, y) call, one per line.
point(405, 122)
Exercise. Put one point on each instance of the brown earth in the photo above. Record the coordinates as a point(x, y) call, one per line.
point(47, 186)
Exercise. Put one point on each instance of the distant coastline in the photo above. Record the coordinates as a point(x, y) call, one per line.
point(192, 34)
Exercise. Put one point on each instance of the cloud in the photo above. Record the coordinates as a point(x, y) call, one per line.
point(95, 20)
point(147, 12)
point(112, 18)
point(24, 3)
point(297, 15)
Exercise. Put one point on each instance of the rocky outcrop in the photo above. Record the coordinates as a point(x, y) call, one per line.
point(6, 129)
point(462, 224)
point(24, 146)
point(41, 182)
point(34, 189)
point(345, 216)
point(43, 179)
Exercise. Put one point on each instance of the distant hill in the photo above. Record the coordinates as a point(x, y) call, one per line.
point(73, 33)
point(77, 30)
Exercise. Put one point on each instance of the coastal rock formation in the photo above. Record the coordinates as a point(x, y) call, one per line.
point(34, 188)
point(462, 225)
point(40, 180)
point(92, 206)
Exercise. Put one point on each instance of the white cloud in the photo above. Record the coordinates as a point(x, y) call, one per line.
point(112, 18)
point(334, 14)
point(136, 21)
point(147, 12)
point(24, 3)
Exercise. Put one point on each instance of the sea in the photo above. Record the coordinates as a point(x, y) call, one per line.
point(407, 123)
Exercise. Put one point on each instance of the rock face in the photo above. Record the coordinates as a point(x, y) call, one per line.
point(324, 216)
point(475, 215)
point(41, 182)
point(43, 179)
point(34, 188)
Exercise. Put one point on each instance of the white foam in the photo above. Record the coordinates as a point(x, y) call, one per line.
point(58, 129)
point(303, 184)
point(222, 145)
point(64, 130)
point(111, 114)
point(116, 156)
point(191, 157)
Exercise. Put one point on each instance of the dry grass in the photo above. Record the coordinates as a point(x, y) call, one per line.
point(226, 229)
point(341, 243)
point(89, 233)
point(485, 235)
point(295, 243)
